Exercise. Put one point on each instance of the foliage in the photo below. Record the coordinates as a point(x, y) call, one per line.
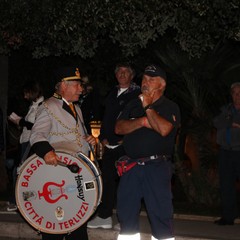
point(197, 41)
point(199, 187)
point(200, 88)
point(55, 28)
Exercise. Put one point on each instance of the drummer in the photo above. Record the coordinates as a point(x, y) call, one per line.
point(59, 120)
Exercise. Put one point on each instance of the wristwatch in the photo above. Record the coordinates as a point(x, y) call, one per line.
point(149, 106)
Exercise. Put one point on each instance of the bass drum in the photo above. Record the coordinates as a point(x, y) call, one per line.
point(55, 200)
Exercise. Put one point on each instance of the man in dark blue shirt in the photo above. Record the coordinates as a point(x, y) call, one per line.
point(150, 125)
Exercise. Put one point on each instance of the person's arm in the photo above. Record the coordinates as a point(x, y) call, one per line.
point(126, 122)
point(153, 120)
point(104, 142)
point(51, 158)
point(158, 123)
point(39, 137)
point(235, 125)
point(24, 123)
point(123, 127)
point(224, 119)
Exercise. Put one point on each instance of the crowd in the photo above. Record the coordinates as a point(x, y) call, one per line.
point(139, 125)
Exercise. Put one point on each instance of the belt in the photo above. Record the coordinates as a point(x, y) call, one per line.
point(151, 159)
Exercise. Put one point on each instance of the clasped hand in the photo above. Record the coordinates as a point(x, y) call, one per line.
point(148, 96)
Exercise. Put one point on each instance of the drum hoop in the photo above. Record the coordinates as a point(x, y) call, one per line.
point(95, 168)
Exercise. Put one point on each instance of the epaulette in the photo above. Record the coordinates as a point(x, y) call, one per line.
point(58, 96)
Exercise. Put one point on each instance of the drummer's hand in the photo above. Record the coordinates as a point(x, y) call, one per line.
point(91, 139)
point(51, 158)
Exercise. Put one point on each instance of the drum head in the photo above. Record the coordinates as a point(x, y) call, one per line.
point(55, 200)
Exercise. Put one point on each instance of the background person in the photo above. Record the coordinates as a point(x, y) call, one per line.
point(116, 100)
point(32, 93)
point(149, 124)
point(227, 124)
point(90, 104)
point(59, 120)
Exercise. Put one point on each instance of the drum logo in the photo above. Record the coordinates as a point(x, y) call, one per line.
point(79, 180)
point(59, 213)
point(52, 192)
point(48, 193)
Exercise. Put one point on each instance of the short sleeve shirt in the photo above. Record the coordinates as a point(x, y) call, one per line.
point(145, 142)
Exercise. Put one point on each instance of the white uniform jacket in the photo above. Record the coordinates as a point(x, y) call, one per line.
point(56, 123)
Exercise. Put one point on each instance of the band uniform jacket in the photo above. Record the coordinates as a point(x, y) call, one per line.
point(56, 123)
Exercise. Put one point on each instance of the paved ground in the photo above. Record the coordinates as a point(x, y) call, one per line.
point(12, 225)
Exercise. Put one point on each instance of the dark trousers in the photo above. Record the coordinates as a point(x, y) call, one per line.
point(78, 234)
point(110, 180)
point(151, 182)
point(12, 198)
point(229, 172)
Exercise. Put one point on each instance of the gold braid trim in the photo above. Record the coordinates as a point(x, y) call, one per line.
point(70, 130)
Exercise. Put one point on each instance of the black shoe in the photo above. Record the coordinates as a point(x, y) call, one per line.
point(223, 222)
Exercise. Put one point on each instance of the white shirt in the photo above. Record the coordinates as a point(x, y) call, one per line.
point(30, 117)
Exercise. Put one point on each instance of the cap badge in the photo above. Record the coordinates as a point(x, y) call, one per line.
point(77, 73)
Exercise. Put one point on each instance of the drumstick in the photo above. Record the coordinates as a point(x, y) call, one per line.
point(73, 167)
